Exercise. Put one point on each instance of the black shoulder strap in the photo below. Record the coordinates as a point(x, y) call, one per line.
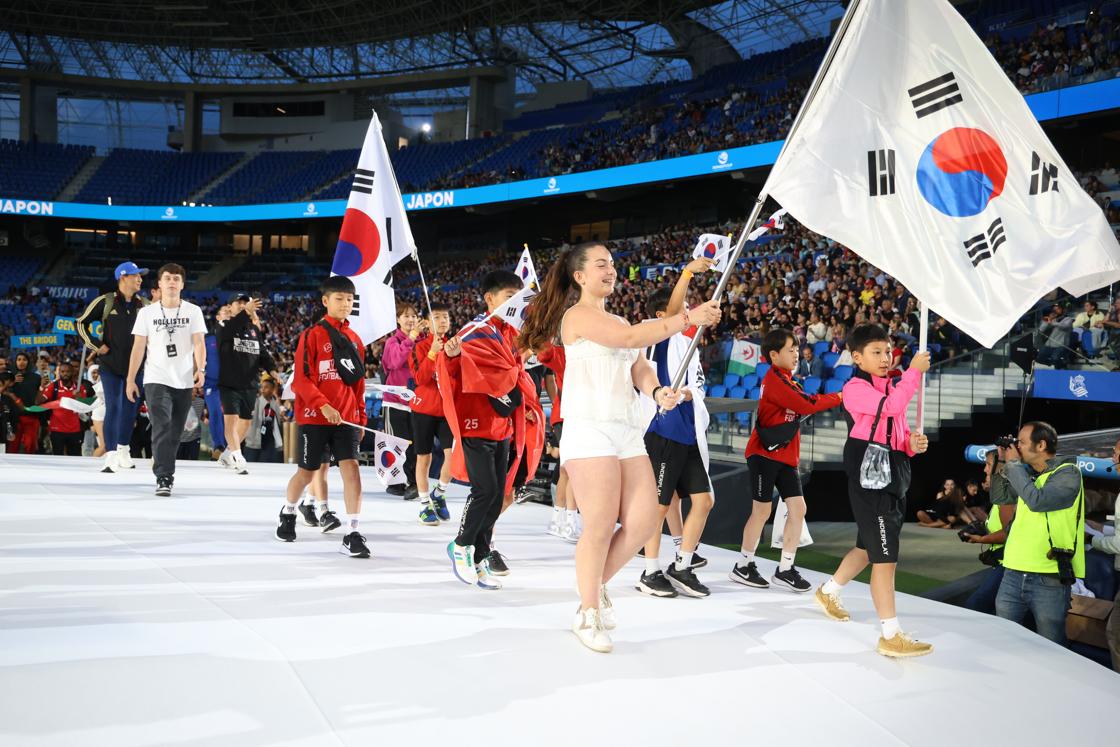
point(879, 414)
point(306, 366)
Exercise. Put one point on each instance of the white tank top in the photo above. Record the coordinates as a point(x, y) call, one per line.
point(598, 386)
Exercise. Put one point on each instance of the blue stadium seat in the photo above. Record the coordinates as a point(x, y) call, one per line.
point(820, 348)
point(842, 373)
point(756, 393)
point(832, 386)
point(737, 392)
point(829, 361)
point(761, 369)
point(750, 381)
point(731, 380)
point(718, 390)
point(812, 385)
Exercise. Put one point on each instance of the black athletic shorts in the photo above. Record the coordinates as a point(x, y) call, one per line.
point(677, 468)
point(522, 474)
point(878, 517)
point(425, 429)
point(766, 474)
point(238, 402)
point(316, 442)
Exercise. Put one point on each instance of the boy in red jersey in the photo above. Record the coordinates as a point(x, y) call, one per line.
point(329, 385)
point(773, 454)
point(479, 377)
point(428, 421)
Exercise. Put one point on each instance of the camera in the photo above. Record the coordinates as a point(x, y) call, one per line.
point(991, 557)
point(979, 528)
point(1006, 442)
point(1065, 564)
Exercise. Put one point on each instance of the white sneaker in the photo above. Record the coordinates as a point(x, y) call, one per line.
point(606, 610)
point(240, 465)
point(110, 463)
point(486, 578)
point(556, 524)
point(589, 629)
point(227, 459)
point(124, 458)
point(573, 529)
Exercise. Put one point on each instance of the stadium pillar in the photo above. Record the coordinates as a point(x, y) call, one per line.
point(192, 122)
point(490, 102)
point(38, 112)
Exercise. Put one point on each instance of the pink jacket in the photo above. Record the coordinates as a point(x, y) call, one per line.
point(394, 359)
point(861, 400)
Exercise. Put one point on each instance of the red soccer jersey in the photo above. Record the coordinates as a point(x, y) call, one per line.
point(317, 383)
point(423, 369)
point(63, 420)
point(784, 401)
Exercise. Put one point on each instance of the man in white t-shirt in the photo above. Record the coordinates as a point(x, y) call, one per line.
point(171, 334)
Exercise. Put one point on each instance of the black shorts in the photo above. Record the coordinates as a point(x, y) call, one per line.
point(878, 517)
point(522, 475)
point(677, 468)
point(554, 435)
point(766, 474)
point(425, 429)
point(316, 442)
point(238, 402)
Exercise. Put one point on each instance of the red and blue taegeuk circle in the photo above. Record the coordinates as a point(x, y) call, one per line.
point(359, 243)
point(961, 171)
point(388, 459)
point(710, 250)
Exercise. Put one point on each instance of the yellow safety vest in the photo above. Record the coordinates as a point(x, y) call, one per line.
point(993, 525)
point(1028, 541)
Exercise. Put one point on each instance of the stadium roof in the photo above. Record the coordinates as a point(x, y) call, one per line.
point(611, 43)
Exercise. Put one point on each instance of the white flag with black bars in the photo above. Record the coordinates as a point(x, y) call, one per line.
point(388, 458)
point(920, 155)
point(514, 311)
point(375, 235)
point(715, 247)
point(525, 269)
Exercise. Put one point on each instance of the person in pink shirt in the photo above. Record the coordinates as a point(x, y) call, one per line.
point(875, 405)
point(397, 413)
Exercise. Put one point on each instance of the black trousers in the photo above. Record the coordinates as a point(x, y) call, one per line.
point(66, 444)
point(487, 462)
point(399, 423)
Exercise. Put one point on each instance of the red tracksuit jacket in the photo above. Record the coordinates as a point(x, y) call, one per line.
point(423, 369)
point(783, 401)
point(317, 383)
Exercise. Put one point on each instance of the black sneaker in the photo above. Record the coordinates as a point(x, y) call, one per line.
point(395, 490)
point(656, 585)
point(328, 522)
point(698, 561)
point(791, 580)
point(498, 565)
point(163, 486)
point(286, 528)
point(748, 575)
point(354, 545)
point(308, 512)
point(411, 493)
point(685, 581)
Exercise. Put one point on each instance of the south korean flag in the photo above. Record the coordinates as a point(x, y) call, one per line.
point(525, 269)
point(388, 458)
point(514, 311)
point(714, 247)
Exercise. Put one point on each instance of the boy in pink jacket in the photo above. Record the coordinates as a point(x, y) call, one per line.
point(874, 402)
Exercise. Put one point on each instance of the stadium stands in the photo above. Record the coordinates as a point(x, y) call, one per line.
point(148, 177)
point(38, 171)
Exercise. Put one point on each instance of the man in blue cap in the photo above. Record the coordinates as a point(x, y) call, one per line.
point(106, 326)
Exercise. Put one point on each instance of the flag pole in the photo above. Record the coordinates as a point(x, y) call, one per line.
point(423, 283)
point(752, 221)
point(923, 346)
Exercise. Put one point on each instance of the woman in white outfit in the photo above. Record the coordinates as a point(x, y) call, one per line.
point(602, 447)
point(98, 413)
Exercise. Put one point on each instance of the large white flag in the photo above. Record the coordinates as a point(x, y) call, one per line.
point(375, 236)
point(525, 269)
point(388, 458)
point(919, 154)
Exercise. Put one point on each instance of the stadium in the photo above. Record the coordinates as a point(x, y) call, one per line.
point(247, 148)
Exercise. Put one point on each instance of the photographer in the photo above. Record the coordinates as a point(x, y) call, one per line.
point(1045, 550)
point(992, 532)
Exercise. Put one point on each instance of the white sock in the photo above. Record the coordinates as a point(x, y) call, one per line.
point(557, 514)
point(890, 628)
point(787, 561)
point(352, 522)
point(677, 541)
point(684, 560)
point(652, 565)
point(748, 557)
point(572, 513)
point(321, 508)
point(235, 454)
point(831, 587)
point(443, 486)
point(289, 508)
point(123, 449)
point(424, 496)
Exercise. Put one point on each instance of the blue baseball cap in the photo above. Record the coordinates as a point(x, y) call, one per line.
point(128, 268)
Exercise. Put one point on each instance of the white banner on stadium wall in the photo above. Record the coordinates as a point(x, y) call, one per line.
point(920, 155)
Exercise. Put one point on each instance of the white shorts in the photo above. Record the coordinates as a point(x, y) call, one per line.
point(586, 439)
point(98, 412)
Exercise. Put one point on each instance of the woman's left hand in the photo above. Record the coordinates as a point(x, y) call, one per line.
point(668, 398)
point(919, 442)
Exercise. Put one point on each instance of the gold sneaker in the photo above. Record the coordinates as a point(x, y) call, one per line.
point(903, 646)
point(831, 605)
point(588, 627)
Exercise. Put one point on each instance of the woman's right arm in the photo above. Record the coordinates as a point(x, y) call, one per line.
point(587, 323)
